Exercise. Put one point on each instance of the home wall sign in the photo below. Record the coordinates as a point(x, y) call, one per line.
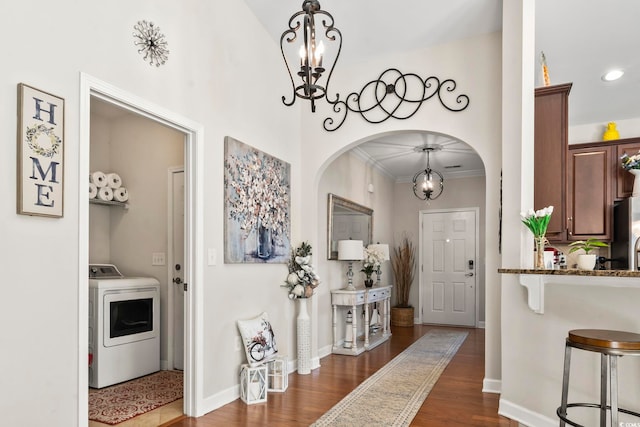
point(398, 95)
point(40, 162)
point(257, 199)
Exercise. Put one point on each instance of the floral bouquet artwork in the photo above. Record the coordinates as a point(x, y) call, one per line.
point(537, 222)
point(256, 203)
point(373, 258)
point(632, 165)
point(302, 279)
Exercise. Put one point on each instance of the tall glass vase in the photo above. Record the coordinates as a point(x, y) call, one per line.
point(539, 255)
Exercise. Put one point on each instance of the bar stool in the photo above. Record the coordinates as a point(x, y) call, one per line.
point(610, 345)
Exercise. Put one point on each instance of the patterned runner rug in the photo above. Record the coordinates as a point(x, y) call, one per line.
point(393, 395)
point(120, 402)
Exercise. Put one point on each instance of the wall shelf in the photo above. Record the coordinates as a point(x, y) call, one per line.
point(123, 205)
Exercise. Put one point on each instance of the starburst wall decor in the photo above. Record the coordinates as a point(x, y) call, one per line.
point(151, 42)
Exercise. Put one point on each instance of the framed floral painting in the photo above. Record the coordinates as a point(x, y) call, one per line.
point(257, 199)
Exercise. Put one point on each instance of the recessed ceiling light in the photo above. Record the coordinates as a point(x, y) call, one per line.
point(612, 75)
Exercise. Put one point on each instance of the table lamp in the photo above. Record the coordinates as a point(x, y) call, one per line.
point(382, 248)
point(350, 250)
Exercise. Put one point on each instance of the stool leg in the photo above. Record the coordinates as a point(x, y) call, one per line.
point(613, 386)
point(565, 383)
point(603, 390)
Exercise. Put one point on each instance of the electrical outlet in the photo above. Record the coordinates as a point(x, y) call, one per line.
point(158, 258)
point(238, 343)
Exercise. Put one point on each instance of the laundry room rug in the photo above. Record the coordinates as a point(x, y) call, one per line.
point(120, 402)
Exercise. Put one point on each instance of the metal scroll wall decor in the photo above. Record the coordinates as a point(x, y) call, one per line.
point(396, 95)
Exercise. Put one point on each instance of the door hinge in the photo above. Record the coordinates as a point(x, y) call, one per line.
point(185, 286)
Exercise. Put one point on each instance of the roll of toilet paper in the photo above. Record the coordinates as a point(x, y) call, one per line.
point(106, 194)
point(98, 178)
point(93, 190)
point(113, 180)
point(121, 194)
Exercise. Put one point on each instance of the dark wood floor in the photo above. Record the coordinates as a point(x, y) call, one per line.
point(456, 399)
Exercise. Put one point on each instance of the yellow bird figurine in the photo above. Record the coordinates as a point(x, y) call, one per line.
point(611, 133)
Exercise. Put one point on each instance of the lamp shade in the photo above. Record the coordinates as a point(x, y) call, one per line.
point(350, 250)
point(382, 248)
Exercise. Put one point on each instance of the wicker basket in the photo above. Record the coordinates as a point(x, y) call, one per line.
point(402, 316)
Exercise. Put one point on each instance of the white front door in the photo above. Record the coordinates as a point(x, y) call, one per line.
point(177, 206)
point(449, 267)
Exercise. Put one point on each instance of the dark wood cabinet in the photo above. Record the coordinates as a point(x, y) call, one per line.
point(590, 199)
point(551, 142)
point(623, 179)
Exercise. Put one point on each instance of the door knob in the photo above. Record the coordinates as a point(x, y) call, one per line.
point(177, 280)
point(469, 274)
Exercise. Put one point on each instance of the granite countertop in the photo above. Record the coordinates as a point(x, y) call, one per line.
point(572, 272)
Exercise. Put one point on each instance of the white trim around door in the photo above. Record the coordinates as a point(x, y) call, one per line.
point(194, 273)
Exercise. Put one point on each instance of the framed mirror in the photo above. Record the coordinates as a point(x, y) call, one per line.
point(347, 220)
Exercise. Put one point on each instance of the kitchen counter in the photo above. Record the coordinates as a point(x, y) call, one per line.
point(536, 280)
point(572, 272)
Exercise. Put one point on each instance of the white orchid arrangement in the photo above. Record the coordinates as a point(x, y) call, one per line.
point(537, 221)
point(373, 258)
point(302, 279)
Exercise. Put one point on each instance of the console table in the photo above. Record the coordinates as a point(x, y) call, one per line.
point(353, 299)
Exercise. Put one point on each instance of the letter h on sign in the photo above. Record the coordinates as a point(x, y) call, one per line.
point(40, 153)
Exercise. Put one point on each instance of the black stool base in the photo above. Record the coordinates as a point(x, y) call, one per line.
point(589, 405)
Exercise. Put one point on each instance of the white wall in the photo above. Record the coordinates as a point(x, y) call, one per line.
point(141, 152)
point(209, 79)
point(475, 66)
point(348, 176)
point(629, 128)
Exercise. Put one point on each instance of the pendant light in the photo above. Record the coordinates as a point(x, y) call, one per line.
point(306, 48)
point(428, 184)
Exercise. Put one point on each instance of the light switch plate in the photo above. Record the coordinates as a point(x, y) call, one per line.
point(158, 258)
point(212, 257)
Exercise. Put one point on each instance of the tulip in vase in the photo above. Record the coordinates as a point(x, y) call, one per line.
point(537, 222)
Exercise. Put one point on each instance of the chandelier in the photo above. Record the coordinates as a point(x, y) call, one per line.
point(302, 44)
point(428, 184)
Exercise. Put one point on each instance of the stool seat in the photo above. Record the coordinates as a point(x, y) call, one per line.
point(606, 339)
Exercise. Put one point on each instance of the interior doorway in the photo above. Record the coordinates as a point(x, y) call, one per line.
point(448, 278)
point(193, 220)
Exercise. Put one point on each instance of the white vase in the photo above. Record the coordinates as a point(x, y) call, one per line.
point(304, 338)
point(586, 261)
point(636, 182)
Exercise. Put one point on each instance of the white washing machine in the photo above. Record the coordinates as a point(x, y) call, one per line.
point(124, 326)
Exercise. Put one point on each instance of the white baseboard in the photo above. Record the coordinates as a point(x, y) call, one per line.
point(325, 351)
point(218, 400)
point(491, 386)
point(524, 416)
point(481, 324)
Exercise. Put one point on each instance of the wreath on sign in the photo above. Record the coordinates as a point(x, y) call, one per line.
point(32, 140)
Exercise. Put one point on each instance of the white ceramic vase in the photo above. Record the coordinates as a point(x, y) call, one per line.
point(636, 182)
point(586, 261)
point(304, 338)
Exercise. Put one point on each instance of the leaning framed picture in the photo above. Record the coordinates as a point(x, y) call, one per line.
point(40, 162)
point(257, 199)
